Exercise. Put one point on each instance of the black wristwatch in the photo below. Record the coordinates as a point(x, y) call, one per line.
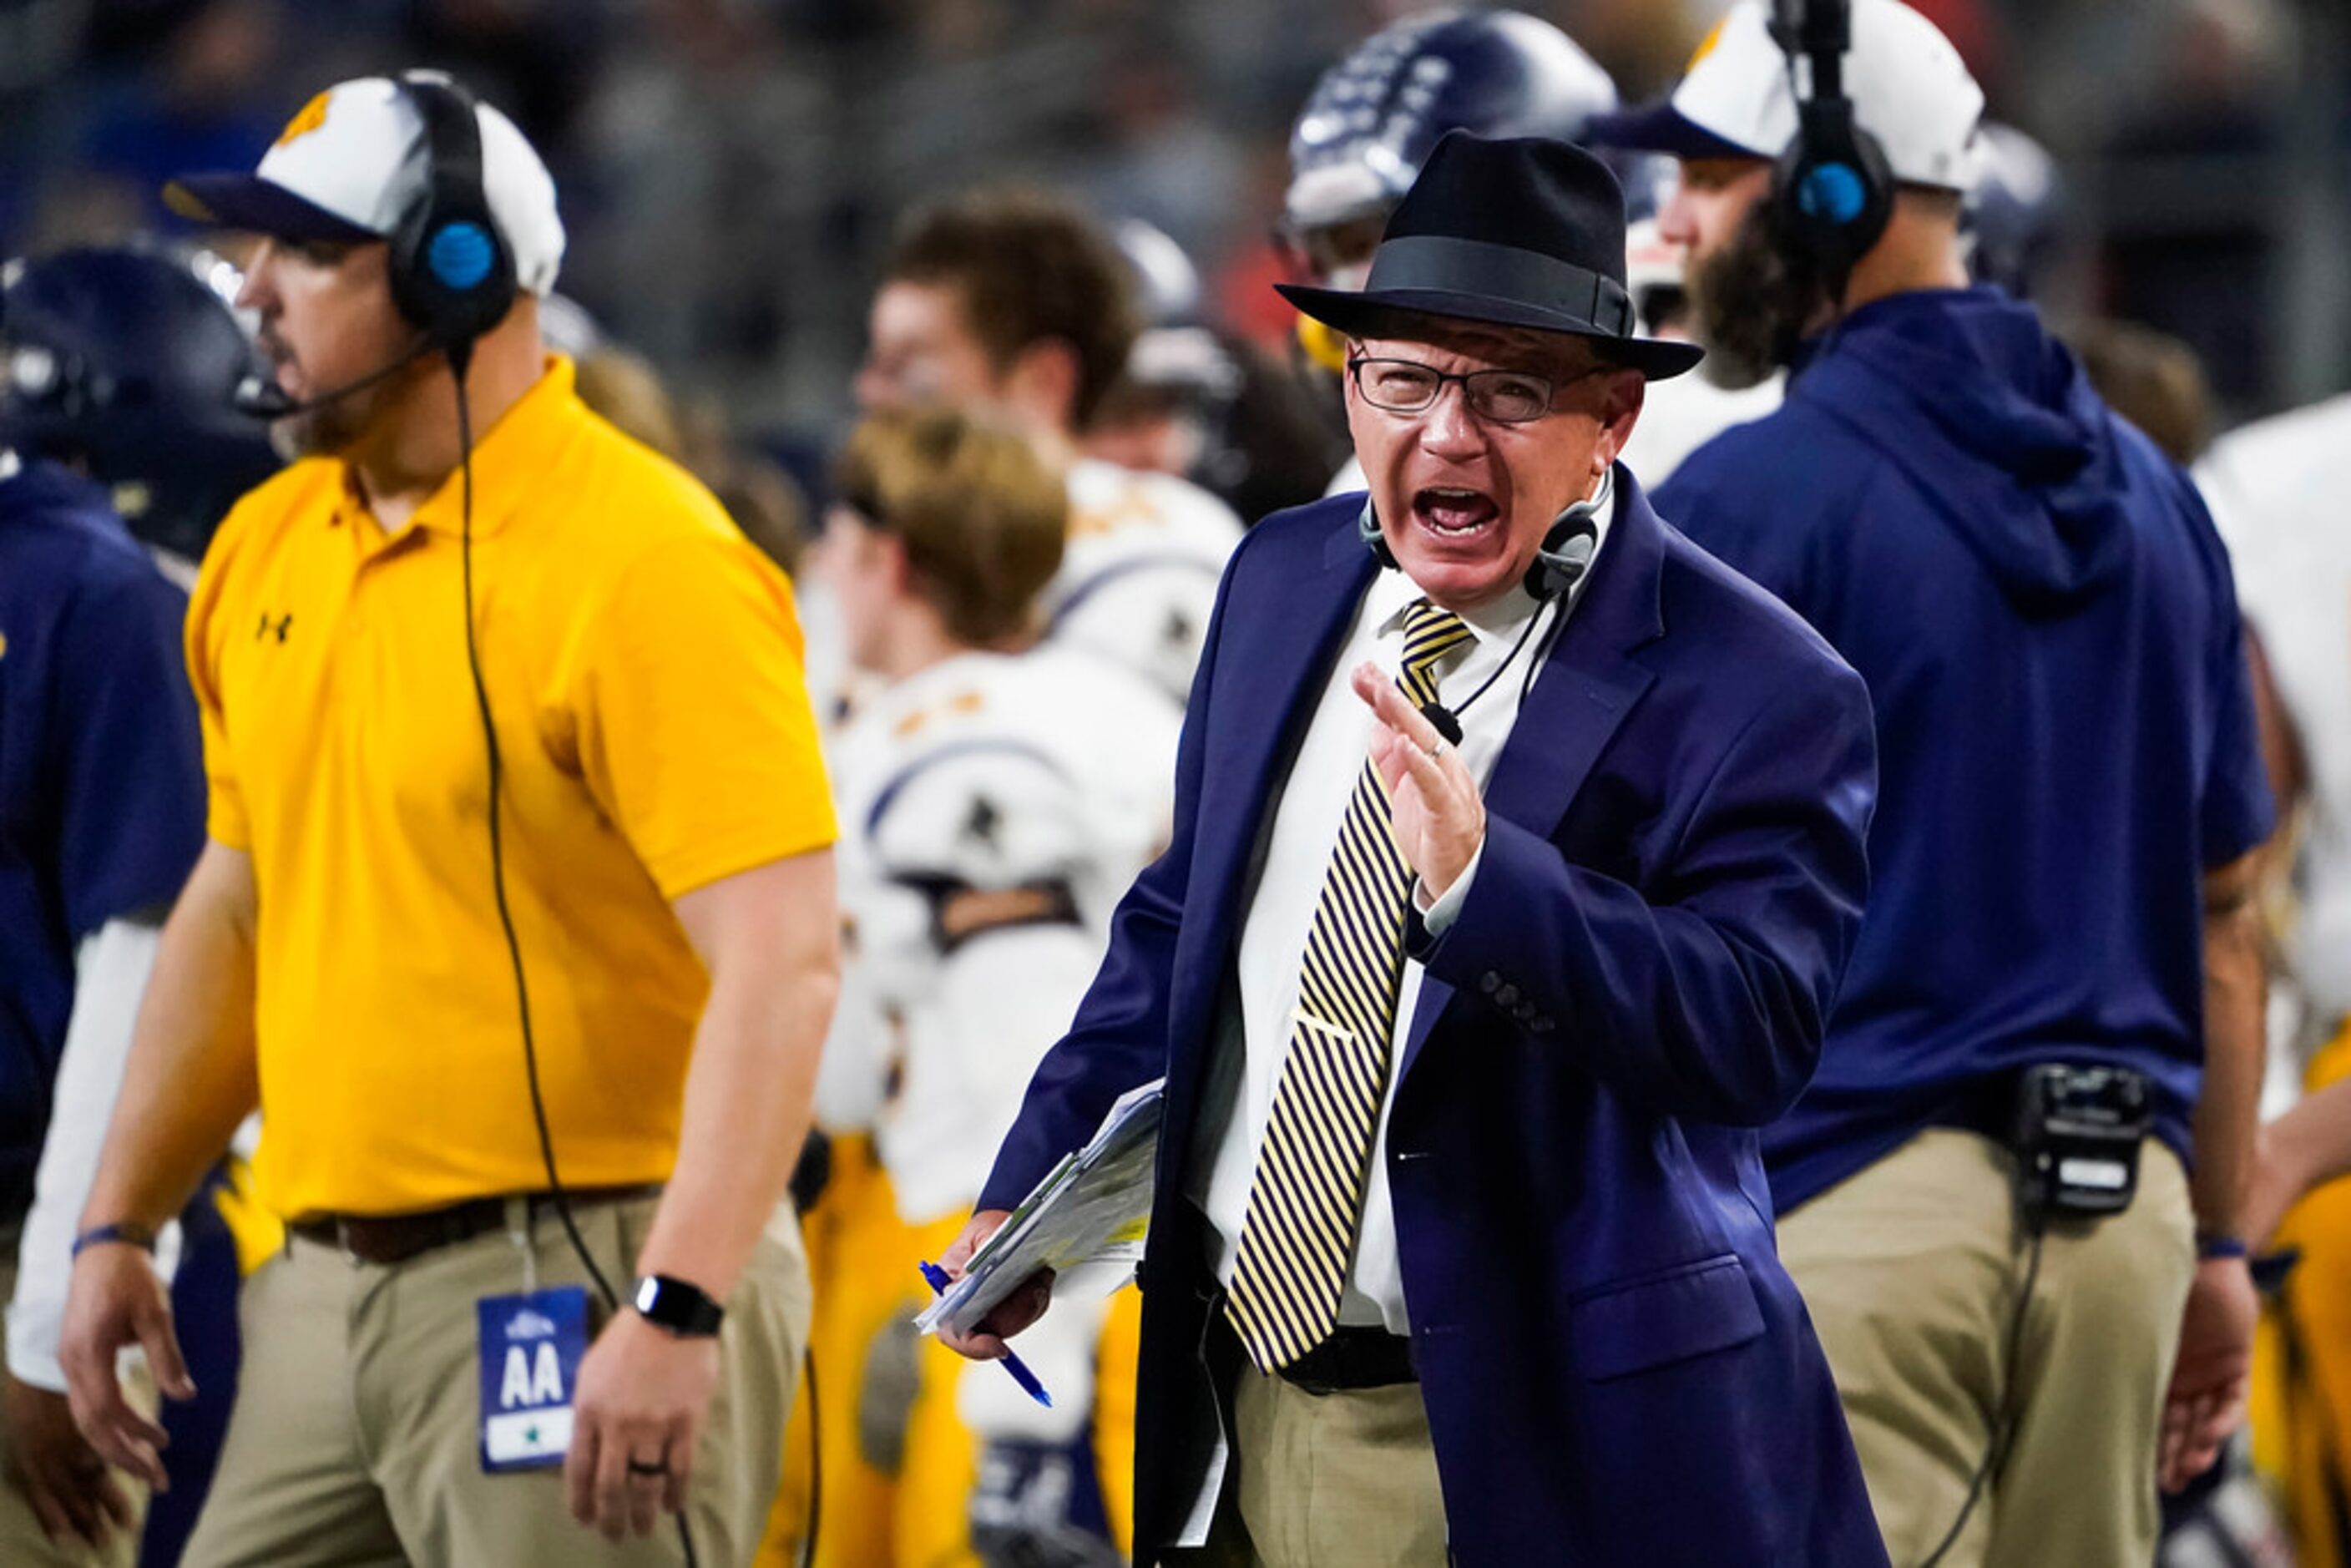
point(686, 1309)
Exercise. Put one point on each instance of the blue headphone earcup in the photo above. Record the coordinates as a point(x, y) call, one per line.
point(451, 274)
point(460, 255)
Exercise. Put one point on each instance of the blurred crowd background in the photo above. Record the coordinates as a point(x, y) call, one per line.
point(731, 170)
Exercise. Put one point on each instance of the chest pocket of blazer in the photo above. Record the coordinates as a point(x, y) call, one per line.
point(1699, 1307)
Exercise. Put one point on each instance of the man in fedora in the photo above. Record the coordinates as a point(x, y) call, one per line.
point(1518, 850)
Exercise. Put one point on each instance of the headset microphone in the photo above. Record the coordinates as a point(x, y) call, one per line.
point(1559, 563)
point(260, 397)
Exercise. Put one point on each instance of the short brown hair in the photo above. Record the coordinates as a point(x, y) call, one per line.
point(980, 515)
point(1030, 268)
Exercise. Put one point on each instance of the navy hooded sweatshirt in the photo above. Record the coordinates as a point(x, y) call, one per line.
point(2044, 613)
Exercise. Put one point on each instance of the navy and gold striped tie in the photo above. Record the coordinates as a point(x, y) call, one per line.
point(1306, 1196)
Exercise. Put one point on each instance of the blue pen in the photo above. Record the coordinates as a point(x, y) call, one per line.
point(937, 1277)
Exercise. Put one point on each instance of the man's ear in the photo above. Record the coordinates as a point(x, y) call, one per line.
point(895, 559)
point(1041, 382)
point(1627, 390)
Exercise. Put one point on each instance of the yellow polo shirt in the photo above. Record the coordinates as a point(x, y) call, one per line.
point(643, 664)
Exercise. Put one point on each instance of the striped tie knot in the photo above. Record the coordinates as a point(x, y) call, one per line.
point(1430, 632)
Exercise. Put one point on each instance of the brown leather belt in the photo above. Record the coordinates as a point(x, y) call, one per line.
point(387, 1239)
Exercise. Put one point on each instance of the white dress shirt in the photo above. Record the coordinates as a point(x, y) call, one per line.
point(1239, 1092)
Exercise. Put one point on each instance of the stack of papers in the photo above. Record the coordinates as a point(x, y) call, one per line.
point(1095, 1208)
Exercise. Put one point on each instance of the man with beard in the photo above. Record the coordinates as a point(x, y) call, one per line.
point(2061, 862)
point(486, 690)
point(1696, 408)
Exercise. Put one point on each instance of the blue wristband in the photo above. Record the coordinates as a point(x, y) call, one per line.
point(127, 1233)
point(2209, 1248)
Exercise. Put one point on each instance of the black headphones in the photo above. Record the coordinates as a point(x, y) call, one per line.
point(452, 271)
point(1561, 560)
point(1832, 190)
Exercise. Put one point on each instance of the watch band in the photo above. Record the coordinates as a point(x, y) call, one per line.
point(685, 1308)
point(2209, 1246)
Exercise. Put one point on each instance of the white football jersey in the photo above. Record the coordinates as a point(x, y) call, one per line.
point(2277, 489)
point(1047, 777)
point(1138, 580)
point(1680, 415)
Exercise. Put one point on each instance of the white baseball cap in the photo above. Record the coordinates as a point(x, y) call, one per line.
point(1910, 90)
point(348, 165)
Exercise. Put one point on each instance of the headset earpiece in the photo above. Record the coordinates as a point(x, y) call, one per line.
point(1367, 525)
point(452, 272)
point(1569, 545)
point(1833, 190)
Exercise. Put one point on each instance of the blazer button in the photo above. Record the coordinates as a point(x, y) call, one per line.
point(1508, 996)
point(1488, 981)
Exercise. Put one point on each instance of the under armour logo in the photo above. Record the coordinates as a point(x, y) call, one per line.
point(280, 626)
point(981, 824)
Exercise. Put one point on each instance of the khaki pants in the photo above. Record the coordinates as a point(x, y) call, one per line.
point(1318, 1479)
point(1911, 1271)
point(356, 1437)
point(22, 1541)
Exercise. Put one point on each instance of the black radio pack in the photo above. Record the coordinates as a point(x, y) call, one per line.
point(2076, 1136)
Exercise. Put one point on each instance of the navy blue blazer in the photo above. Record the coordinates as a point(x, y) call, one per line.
point(1615, 1367)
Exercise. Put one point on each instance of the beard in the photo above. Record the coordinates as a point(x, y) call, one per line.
point(335, 427)
point(323, 431)
point(1748, 306)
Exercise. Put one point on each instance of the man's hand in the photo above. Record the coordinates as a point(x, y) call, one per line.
point(2206, 1400)
point(1024, 1306)
point(642, 1397)
point(117, 1300)
point(74, 1496)
point(1439, 819)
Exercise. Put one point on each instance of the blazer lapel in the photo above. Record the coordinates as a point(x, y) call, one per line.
point(1589, 684)
point(1283, 624)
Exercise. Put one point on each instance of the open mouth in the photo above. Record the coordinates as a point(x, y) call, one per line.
point(1453, 513)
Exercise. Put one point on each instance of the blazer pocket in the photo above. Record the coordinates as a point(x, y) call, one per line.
point(1652, 1321)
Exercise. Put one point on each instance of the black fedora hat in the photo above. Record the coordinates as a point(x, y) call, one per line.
point(1524, 232)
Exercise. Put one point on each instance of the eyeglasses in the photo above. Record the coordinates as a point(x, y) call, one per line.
point(1506, 397)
